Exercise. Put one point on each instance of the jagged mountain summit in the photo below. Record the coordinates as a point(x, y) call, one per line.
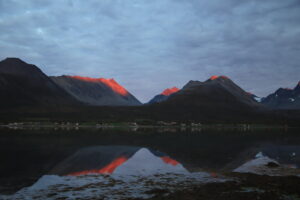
point(23, 84)
point(96, 91)
point(164, 95)
point(284, 98)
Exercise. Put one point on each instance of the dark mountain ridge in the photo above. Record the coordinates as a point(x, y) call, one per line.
point(217, 91)
point(284, 98)
point(23, 84)
point(26, 92)
point(98, 92)
point(217, 99)
point(164, 95)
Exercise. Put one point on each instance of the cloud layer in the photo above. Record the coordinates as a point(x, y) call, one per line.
point(150, 45)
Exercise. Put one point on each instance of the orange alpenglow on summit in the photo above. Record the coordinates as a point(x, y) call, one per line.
point(108, 82)
point(169, 91)
point(216, 77)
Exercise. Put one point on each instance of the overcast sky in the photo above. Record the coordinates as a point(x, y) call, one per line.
point(149, 45)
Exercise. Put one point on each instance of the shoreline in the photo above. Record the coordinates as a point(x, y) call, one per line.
point(68, 125)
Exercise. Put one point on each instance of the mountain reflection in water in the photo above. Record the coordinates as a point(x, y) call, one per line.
point(118, 160)
point(113, 172)
point(40, 157)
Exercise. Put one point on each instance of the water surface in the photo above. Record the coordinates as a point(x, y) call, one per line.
point(27, 154)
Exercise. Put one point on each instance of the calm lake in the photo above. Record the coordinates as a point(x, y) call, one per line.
point(29, 154)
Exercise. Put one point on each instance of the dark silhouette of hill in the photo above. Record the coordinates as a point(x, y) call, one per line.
point(23, 84)
point(164, 95)
point(284, 98)
point(215, 93)
point(217, 99)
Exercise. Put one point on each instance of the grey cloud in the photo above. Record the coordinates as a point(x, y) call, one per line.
point(150, 45)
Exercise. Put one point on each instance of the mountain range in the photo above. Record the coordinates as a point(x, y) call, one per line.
point(25, 85)
point(284, 98)
point(217, 90)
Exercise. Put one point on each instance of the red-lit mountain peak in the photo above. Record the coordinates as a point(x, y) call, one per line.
point(111, 83)
point(214, 77)
point(114, 86)
point(218, 77)
point(169, 91)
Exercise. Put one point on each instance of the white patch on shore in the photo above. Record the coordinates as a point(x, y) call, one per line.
point(263, 165)
point(291, 99)
point(257, 165)
point(109, 187)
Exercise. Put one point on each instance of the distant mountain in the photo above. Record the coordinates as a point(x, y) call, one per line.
point(96, 91)
point(284, 98)
point(164, 95)
point(23, 84)
point(218, 93)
